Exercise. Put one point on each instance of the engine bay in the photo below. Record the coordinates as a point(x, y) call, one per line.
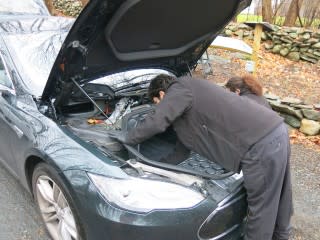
point(124, 110)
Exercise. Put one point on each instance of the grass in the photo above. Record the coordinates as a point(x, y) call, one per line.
point(249, 18)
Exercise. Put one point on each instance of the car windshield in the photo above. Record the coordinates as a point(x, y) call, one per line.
point(125, 80)
point(17, 7)
point(34, 55)
point(34, 44)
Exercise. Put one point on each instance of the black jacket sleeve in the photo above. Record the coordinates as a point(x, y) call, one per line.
point(177, 100)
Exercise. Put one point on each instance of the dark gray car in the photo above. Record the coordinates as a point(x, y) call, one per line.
point(65, 84)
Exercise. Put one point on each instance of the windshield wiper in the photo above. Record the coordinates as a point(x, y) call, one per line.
point(131, 89)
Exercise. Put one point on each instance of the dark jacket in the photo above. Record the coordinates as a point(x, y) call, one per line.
point(259, 99)
point(209, 120)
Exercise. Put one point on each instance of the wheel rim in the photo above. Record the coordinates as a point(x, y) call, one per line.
point(55, 210)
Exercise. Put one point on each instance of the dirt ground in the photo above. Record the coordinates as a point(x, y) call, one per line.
point(305, 172)
point(277, 74)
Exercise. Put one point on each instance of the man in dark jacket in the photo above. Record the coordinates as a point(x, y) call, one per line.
point(238, 134)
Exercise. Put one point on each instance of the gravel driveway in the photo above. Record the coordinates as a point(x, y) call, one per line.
point(19, 219)
point(305, 166)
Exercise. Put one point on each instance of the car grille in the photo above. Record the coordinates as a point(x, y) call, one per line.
point(226, 221)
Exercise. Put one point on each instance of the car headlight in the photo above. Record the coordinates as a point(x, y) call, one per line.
point(142, 195)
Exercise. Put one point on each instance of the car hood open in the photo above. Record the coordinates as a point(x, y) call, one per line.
point(112, 36)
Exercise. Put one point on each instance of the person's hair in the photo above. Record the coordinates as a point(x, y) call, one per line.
point(244, 84)
point(159, 83)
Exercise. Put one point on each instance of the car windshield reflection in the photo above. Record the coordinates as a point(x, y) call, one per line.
point(119, 80)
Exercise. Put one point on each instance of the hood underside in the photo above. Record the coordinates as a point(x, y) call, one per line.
point(112, 36)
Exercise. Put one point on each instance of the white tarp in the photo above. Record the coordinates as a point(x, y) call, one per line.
point(231, 44)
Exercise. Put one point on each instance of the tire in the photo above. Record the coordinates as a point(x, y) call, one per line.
point(55, 204)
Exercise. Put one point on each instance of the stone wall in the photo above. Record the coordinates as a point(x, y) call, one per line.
point(295, 44)
point(298, 115)
point(290, 42)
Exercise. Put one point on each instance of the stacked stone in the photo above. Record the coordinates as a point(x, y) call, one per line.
point(240, 30)
point(70, 8)
point(298, 115)
point(293, 43)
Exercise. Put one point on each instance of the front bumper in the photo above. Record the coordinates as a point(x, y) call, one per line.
point(104, 221)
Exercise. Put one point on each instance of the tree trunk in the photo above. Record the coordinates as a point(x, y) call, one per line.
point(310, 11)
point(278, 5)
point(267, 11)
point(292, 13)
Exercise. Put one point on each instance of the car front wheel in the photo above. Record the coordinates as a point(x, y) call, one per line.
point(55, 204)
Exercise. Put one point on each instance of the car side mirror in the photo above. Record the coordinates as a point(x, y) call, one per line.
point(8, 94)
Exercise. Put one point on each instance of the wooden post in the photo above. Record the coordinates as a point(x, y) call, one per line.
point(256, 45)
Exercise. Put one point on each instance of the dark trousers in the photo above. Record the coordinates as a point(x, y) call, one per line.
point(266, 172)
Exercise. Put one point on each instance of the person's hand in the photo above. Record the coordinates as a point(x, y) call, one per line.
point(120, 136)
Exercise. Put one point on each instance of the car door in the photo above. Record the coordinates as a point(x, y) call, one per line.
point(16, 120)
point(7, 96)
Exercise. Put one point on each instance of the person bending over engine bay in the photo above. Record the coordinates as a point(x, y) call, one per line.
point(236, 133)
